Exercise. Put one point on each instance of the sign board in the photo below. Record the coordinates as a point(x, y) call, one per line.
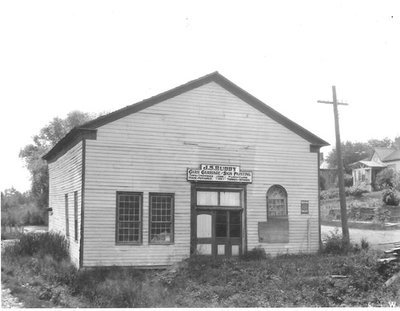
point(304, 207)
point(221, 173)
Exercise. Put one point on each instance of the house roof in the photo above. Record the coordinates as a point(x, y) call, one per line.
point(393, 156)
point(212, 77)
point(369, 163)
point(383, 152)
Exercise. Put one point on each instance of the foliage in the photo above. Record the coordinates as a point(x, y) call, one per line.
point(257, 253)
point(388, 178)
point(334, 244)
point(284, 281)
point(357, 151)
point(43, 142)
point(391, 197)
point(322, 182)
point(382, 214)
point(42, 245)
point(351, 152)
point(348, 180)
point(17, 210)
point(329, 194)
point(356, 191)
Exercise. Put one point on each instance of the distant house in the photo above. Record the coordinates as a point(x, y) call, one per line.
point(365, 171)
point(204, 168)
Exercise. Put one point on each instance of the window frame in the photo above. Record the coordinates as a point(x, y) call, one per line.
point(76, 216)
point(172, 195)
point(270, 189)
point(219, 206)
point(140, 240)
point(66, 210)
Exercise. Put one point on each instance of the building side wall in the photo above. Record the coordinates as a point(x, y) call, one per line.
point(65, 177)
point(394, 164)
point(150, 151)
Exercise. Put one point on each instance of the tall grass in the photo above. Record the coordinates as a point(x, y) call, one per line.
point(259, 281)
point(41, 245)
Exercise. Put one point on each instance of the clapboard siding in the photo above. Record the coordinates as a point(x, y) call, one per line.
point(65, 177)
point(150, 150)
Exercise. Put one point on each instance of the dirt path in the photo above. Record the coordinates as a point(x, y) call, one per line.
point(378, 239)
point(8, 300)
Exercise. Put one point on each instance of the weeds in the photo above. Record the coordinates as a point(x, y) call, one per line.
point(41, 244)
point(259, 281)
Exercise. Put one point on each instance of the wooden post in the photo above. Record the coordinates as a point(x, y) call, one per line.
point(342, 195)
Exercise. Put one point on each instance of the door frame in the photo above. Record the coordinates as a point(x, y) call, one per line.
point(193, 211)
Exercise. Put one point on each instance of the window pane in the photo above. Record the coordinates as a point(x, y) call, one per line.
point(161, 218)
point(221, 224)
point(207, 198)
point(128, 226)
point(229, 198)
point(204, 223)
point(276, 202)
point(234, 225)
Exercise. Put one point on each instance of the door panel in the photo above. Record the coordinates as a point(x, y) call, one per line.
point(204, 226)
point(217, 215)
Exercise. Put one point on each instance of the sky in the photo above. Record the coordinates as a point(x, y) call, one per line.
point(99, 56)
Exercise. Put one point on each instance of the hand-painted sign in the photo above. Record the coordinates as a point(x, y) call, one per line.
point(304, 206)
point(222, 173)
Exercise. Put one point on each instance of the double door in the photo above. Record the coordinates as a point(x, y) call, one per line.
point(218, 218)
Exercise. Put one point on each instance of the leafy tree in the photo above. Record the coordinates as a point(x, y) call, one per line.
point(13, 198)
point(357, 151)
point(385, 143)
point(351, 152)
point(42, 143)
point(388, 178)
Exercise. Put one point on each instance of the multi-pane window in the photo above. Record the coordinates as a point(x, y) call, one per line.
point(276, 202)
point(220, 198)
point(161, 216)
point(76, 214)
point(129, 218)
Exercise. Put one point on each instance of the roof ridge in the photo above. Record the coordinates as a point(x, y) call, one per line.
point(211, 77)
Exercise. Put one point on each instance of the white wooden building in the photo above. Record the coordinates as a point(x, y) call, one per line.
point(204, 168)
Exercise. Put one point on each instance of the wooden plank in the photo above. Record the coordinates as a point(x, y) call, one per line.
point(151, 150)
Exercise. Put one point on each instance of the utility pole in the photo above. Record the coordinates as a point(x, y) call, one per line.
point(342, 195)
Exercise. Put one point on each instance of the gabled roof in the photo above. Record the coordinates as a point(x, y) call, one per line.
point(212, 77)
point(383, 152)
point(393, 156)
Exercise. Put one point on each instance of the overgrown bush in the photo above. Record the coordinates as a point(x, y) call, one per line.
point(333, 244)
point(388, 178)
point(329, 194)
point(391, 197)
point(25, 215)
point(322, 182)
point(257, 253)
point(41, 245)
point(382, 214)
point(357, 191)
point(348, 180)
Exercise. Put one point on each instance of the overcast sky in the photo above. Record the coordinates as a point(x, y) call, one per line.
point(99, 56)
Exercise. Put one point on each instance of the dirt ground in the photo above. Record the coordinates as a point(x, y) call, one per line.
point(378, 239)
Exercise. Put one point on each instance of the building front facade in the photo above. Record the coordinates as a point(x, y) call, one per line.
point(205, 168)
